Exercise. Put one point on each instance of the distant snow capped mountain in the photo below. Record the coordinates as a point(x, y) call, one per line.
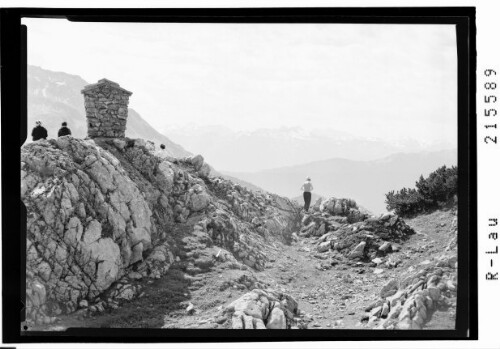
point(264, 148)
point(367, 182)
point(54, 97)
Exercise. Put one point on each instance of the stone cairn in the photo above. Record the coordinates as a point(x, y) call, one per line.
point(106, 109)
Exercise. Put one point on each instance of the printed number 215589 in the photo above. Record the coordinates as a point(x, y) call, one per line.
point(489, 100)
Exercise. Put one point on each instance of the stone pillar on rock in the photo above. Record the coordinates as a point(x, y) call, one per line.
point(106, 109)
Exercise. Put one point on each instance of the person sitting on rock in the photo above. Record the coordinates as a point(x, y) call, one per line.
point(39, 132)
point(64, 130)
point(307, 188)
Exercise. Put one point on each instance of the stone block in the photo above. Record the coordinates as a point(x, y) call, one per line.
point(389, 289)
point(434, 293)
point(324, 246)
point(358, 250)
point(276, 319)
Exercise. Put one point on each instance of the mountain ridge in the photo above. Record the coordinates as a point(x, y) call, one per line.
point(266, 148)
point(367, 181)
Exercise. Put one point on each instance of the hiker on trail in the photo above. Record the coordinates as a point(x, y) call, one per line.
point(64, 130)
point(307, 188)
point(39, 132)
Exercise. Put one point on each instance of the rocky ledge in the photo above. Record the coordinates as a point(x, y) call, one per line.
point(101, 216)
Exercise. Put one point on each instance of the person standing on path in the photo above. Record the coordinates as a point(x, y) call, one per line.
point(64, 130)
point(307, 187)
point(39, 132)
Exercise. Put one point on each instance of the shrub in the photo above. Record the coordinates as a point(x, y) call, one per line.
point(405, 202)
point(439, 187)
point(432, 192)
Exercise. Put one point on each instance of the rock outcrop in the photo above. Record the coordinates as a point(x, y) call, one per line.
point(262, 309)
point(339, 226)
point(342, 207)
point(107, 216)
point(87, 221)
point(452, 245)
point(408, 303)
point(99, 210)
point(328, 215)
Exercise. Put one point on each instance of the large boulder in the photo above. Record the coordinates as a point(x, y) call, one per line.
point(277, 320)
point(198, 198)
point(87, 220)
point(261, 309)
point(165, 176)
point(358, 251)
point(197, 161)
point(342, 207)
point(371, 237)
point(409, 303)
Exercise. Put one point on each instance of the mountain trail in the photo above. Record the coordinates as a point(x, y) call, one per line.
point(335, 298)
point(119, 235)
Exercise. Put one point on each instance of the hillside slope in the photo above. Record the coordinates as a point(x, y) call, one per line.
point(118, 236)
point(103, 214)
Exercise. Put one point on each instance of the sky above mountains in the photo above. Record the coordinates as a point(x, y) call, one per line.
point(385, 81)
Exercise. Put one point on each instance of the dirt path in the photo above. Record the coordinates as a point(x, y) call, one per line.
point(334, 298)
point(329, 298)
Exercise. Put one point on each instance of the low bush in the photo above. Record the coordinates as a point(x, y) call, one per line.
point(435, 191)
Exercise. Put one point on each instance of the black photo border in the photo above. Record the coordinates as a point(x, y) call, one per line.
point(14, 113)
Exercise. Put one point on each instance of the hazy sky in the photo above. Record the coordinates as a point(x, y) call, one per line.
point(389, 81)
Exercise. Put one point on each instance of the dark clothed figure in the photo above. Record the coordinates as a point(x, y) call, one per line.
point(63, 131)
point(307, 187)
point(39, 132)
point(307, 200)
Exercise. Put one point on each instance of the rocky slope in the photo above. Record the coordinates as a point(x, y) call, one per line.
point(120, 234)
point(407, 301)
point(101, 213)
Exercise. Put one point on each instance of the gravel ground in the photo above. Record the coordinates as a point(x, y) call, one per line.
point(328, 299)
